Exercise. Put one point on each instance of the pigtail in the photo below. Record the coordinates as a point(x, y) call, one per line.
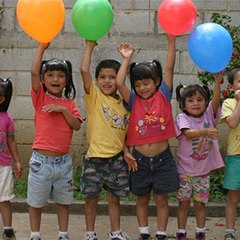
point(130, 70)
point(131, 66)
point(6, 92)
point(158, 70)
point(179, 97)
point(207, 93)
point(70, 90)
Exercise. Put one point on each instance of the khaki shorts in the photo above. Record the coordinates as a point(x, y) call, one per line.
point(6, 183)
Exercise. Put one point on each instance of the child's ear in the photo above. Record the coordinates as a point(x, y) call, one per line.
point(2, 99)
point(157, 81)
point(41, 78)
point(230, 87)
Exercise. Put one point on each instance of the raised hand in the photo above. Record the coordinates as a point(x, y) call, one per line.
point(126, 50)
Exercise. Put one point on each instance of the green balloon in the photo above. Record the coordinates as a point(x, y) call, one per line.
point(92, 19)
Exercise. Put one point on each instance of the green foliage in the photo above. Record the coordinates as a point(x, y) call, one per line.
point(20, 187)
point(225, 21)
point(217, 192)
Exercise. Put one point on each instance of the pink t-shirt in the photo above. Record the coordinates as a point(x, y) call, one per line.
point(52, 132)
point(6, 129)
point(198, 156)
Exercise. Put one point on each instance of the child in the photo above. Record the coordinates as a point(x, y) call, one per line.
point(104, 166)
point(150, 127)
point(231, 116)
point(8, 152)
point(198, 151)
point(56, 116)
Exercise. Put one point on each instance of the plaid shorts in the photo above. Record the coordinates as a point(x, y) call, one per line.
point(108, 173)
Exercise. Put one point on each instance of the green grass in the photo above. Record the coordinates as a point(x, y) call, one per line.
point(20, 187)
point(217, 193)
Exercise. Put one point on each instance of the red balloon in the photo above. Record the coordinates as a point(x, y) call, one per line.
point(177, 16)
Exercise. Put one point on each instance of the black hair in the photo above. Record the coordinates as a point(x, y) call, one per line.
point(145, 70)
point(60, 65)
point(6, 92)
point(232, 73)
point(108, 63)
point(189, 91)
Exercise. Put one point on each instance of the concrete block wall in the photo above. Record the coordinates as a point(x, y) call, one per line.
point(135, 21)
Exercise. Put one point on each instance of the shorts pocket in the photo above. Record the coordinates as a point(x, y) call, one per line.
point(36, 166)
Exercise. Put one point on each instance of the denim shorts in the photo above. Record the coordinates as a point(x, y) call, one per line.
point(49, 178)
point(158, 174)
point(196, 187)
point(108, 173)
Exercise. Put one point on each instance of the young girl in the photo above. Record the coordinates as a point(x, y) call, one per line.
point(56, 116)
point(8, 152)
point(231, 116)
point(150, 126)
point(198, 151)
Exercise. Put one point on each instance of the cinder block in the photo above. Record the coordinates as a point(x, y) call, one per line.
point(21, 108)
point(8, 20)
point(10, 3)
point(121, 5)
point(125, 22)
point(24, 131)
point(212, 5)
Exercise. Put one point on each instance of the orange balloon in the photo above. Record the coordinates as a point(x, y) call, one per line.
point(41, 19)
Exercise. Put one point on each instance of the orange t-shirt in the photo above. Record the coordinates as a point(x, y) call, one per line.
point(52, 132)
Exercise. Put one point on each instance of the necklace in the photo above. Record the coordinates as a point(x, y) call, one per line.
point(54, 97)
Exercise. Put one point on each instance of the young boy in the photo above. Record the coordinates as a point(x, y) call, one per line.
point(231, 116)
point(103, 165)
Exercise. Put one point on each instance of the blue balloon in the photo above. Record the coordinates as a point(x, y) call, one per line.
point(210, 47)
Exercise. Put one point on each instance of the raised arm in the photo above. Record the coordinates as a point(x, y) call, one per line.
point(234, 119)
point(35, 71)
point(170, 61)
point(85, 65)
point(126, 51)
point(217, 91)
